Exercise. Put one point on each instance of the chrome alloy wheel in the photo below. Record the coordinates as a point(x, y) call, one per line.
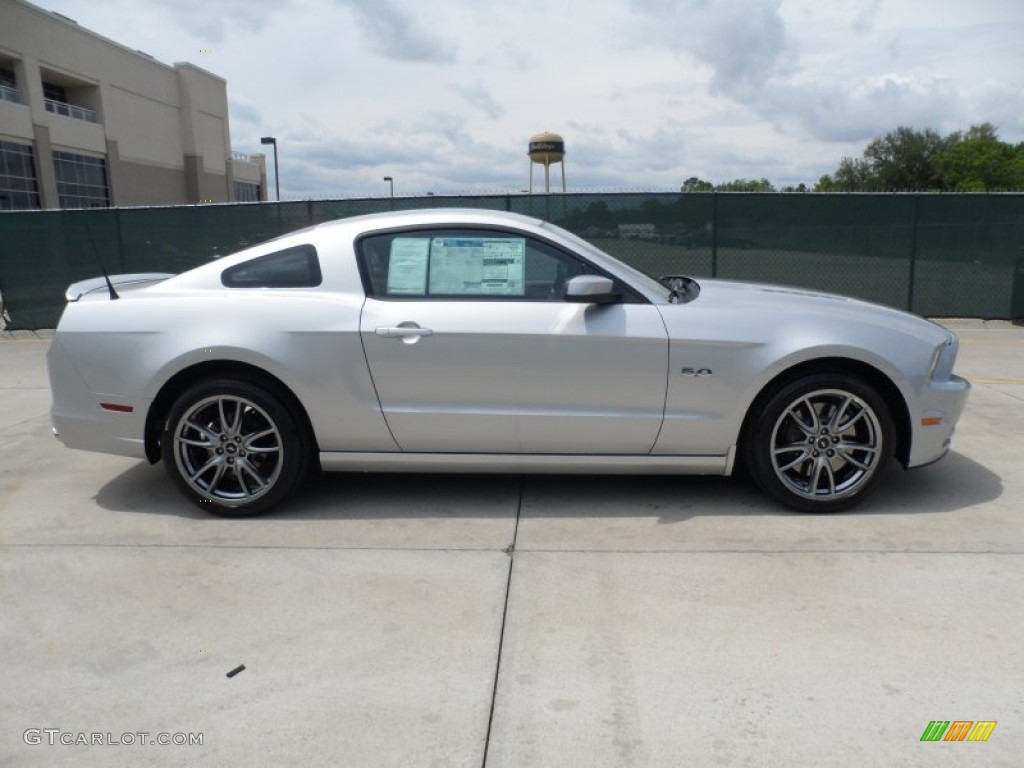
point(826, 444)
point(228, 449)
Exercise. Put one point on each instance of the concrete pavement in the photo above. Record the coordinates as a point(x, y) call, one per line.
point(635, 621)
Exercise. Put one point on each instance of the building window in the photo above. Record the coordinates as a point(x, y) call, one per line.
point(246, 192)
point(55, 92)
point(9, 86)
point(55, 98)
point(18, 188)
point(81, 181)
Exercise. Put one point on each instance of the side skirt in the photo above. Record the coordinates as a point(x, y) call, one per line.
point(336, 461)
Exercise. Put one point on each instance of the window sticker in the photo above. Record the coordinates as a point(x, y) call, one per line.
point(478, 266)
point(407, 267)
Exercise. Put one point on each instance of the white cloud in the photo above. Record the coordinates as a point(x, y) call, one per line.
point(864, 20)
point(243, 112)
point(476, 95)
point(216, 20)
point(862, 110)
point(743, 42)
point(443, 96)
point(400, 32)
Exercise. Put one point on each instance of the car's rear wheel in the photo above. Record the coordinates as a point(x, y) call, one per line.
point(820, 443)
point(233, 447)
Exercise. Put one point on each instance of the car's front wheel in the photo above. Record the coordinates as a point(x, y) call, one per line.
point(821, 443)
point(233, 447)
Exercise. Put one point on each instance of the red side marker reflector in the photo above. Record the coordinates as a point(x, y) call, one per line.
point(117, 407)
point(931, 421)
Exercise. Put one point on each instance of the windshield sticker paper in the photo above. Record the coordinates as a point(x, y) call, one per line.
point(407, 268)
point(478, 266)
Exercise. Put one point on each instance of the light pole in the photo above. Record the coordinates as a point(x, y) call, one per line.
point(277, 175)
point(391, 183)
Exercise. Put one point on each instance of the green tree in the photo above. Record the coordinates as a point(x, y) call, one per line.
point(904, 160)
point(746, 185)
point(977, 161)
point(910, 160)
point(826, 184)
point(693, 184)
point(854, 175)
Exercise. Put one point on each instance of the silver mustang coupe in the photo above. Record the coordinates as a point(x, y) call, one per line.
point(479, 341)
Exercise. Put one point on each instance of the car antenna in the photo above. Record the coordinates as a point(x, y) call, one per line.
point(96, 253)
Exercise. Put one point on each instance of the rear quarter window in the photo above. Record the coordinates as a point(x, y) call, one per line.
point(297, 267)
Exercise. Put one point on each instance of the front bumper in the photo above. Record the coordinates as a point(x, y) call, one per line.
point(935, 419)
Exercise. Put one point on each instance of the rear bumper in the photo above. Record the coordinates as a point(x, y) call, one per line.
point(97, 435)
point(80, 422)
point(943, 401)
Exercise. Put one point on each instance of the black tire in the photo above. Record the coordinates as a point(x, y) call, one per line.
point(820, 443)
point(233, 447)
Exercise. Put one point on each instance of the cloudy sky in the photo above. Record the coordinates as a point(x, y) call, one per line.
point(443, 95)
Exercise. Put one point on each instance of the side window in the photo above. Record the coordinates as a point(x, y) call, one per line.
point(296, 267)
point(465, 264)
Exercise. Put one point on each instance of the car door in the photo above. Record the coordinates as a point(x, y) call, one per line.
point(472, 347)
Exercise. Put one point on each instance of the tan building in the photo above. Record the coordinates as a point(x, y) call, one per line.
point(86, 122)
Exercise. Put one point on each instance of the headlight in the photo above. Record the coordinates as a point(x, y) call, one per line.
point(944, 358)
point(935, 358)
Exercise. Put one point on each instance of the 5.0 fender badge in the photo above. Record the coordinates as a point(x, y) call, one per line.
point(696, 371)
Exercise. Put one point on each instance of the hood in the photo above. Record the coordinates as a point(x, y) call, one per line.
point(761, 300)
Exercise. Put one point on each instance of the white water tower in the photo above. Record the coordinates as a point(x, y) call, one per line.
point(545, 149)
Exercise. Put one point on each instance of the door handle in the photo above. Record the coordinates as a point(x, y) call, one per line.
point(403, 331)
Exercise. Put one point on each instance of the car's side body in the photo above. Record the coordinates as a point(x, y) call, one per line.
point(644, 385)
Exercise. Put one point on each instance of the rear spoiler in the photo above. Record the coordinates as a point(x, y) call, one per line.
point(77, 290)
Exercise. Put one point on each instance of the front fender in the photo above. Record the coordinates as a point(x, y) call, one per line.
point(705, 413)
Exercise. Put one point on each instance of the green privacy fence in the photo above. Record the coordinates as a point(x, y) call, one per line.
point(936, 255)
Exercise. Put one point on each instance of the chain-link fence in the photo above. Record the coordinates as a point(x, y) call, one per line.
point(936, 255)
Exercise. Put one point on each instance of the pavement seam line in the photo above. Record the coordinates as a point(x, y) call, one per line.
point(990, 388)
point(511, 550)
point(915, 552)
point(282, 547)
point(507, 550)
point(26, 421)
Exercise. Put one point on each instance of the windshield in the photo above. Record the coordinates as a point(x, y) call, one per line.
point(638, 278)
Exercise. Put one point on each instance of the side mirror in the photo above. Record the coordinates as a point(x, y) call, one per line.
point(591, 289)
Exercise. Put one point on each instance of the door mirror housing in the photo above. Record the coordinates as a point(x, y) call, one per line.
point(591, 289)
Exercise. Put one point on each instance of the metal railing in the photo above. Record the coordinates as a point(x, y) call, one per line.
point(7, 93)
point(71, 110)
